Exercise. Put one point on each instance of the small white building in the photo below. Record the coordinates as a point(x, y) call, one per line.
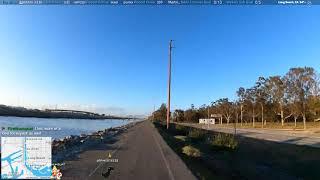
point(207, 121)
point(211, 120)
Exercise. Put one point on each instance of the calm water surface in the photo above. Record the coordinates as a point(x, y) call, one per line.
point(68, 126)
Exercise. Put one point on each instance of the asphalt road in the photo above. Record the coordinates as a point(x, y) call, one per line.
point(276, 135)
point(141, 153)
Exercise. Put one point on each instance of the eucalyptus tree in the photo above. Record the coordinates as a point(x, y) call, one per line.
point(203, 111)
point(225, 107)
point(236, 107)
point(295, 109)
point(261, 96)
point(160, 114)
point(251, 99)
point(278, 96)
point(191, 114)
point(241, 93)
point(301, 82)
point(314, 107)
point(314, 100)
point(178, 115)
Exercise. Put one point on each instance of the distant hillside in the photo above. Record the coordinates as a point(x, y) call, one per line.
point(52, 113)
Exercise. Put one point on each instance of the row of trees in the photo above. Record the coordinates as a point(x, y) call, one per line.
point(292, 97)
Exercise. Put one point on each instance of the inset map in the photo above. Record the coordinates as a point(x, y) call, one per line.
point(26, 158)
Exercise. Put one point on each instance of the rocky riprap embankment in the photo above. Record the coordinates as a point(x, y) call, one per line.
point(70, 146)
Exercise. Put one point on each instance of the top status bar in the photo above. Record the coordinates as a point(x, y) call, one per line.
point(161, 2)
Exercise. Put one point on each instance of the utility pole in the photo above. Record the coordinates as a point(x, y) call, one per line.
point(208, 118)
point(169, 84)
point(153, 112)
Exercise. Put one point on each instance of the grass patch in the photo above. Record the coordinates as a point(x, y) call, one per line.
point(191, 151)
point(179, 129)
point(193, 163)
point(196, 134)
point(181, 138)
point(223, 140)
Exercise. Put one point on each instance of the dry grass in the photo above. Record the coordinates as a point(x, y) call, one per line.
point(181, 138)
point(191, 151)
point(274, 125)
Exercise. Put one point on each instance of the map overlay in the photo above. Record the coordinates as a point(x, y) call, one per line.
point(26, 158)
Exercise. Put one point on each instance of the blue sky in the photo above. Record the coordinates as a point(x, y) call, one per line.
point(114, 59)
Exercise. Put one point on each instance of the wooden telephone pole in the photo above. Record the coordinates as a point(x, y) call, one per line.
point(154, 110)
point(169, 84)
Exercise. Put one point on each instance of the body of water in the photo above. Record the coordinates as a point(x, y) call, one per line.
point(66, 127)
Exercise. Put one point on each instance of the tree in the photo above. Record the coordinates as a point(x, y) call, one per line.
point(192, 107)
point(314, 101)
point(293, 96)
point(161, 113)
point(251, 99)
point(276, 88)
point(203, 111)
point(295, 110)
point(261, 95)
point(225, 107)
point(191, 115)
point(242, 96)
point(301, 82)
point(178, 115)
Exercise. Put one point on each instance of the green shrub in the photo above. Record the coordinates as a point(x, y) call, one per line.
point(224, 140)
point(180, 127)
point(191, 151)
point(196, 134)
point(182, 130)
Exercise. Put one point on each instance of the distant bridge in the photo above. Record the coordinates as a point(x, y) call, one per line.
point(73, 111)
point(89, 114)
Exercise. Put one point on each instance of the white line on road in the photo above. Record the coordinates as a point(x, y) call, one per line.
point(164, 158)
point(102, 163)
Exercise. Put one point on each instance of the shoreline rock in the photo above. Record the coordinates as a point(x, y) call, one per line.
point(68, 147)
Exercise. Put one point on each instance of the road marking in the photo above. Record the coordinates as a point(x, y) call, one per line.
point(163, 157)
point(102, 163)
